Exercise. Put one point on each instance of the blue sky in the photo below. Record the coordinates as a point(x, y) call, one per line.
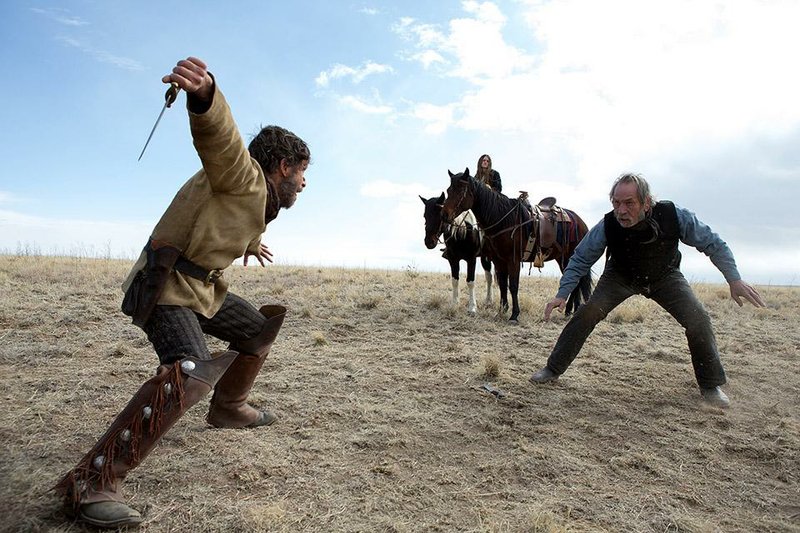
point(700, 97)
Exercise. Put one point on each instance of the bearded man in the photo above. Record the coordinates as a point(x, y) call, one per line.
point(177, 292)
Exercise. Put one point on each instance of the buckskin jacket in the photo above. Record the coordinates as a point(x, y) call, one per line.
point(218, 215)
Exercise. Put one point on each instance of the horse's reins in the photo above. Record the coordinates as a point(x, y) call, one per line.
point(484, 230)
point(444, 225)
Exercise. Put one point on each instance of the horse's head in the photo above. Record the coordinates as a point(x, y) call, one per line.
point(433, 220)
point(460, 195)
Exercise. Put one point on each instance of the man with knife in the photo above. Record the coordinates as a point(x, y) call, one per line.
point(177, 292)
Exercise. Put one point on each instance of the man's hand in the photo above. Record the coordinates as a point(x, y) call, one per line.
point(556, 302)
point(740, 289)
point(191, 75)
point(263, 253)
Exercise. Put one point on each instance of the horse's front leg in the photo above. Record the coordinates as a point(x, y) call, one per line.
point(513, 284)
point(502, 283)
point(472, 307)
point(487, 271)
point(454, 271)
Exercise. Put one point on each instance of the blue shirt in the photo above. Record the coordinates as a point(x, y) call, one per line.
point(692, 233)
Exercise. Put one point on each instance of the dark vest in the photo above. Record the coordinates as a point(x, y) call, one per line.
point(634, 253)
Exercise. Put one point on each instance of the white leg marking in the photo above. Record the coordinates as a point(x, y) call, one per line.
point(472, 307)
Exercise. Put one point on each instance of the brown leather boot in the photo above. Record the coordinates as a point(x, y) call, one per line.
point(91, 490)
point(229, 408)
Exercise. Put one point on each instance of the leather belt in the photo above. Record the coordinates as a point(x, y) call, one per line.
point(209, 277)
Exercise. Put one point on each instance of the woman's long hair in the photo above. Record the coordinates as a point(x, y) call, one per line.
point(484, 176)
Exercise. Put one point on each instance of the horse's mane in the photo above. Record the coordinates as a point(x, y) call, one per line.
point(497, 208)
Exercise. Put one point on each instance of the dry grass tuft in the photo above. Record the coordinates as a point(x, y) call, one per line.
point(437, 301)
point(263, 517)
point(370, 301)
point(490, 367)
point(318, 338)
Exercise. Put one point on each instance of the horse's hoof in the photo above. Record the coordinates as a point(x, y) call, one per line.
point(513, 321)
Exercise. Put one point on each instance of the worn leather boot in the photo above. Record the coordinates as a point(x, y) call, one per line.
point(543, 376)
point(91, 490)
point(229, 407)
point(108, 514)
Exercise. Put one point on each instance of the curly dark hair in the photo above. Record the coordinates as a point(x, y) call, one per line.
point(273, 144)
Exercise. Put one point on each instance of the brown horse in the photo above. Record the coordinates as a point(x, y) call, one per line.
point(508, 225)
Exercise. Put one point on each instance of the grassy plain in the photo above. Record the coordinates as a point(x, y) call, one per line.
point(384, 425)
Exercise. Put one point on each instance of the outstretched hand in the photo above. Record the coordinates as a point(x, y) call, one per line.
point(263, 253)
point(192, 76)
point(740, 289)
point(559, 303)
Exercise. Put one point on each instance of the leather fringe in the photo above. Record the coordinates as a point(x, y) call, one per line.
point(86, 476)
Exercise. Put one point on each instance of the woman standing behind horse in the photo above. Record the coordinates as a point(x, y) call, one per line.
point(487, 175)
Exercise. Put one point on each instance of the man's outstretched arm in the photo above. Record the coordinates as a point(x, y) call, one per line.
point(699, 235)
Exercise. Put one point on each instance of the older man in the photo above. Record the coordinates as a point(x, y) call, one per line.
point(177, 293)
point(640, 238)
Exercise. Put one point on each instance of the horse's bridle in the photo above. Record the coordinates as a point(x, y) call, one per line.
point(444, 226)
point(463, 195)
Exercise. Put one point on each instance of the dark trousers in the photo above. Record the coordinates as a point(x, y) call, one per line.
point(177, 332)
point(673, 293)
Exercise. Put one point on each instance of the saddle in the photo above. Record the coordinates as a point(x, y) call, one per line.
point(543, 242)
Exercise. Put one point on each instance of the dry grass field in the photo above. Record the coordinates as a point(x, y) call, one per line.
point(384, 425)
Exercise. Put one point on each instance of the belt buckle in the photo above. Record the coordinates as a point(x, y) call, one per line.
point(213, 276)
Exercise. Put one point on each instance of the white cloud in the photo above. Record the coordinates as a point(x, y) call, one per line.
point(424, 35)
point(61, 16)
point(360, 105)
point(357, 75)
point(437, 118)
point(476, 44)
point(428, 58)
point(701, 69)
point(102, 55)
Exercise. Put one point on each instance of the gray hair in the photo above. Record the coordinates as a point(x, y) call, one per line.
point(642, 187)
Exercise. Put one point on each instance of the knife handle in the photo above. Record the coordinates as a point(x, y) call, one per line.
point(171, 94)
